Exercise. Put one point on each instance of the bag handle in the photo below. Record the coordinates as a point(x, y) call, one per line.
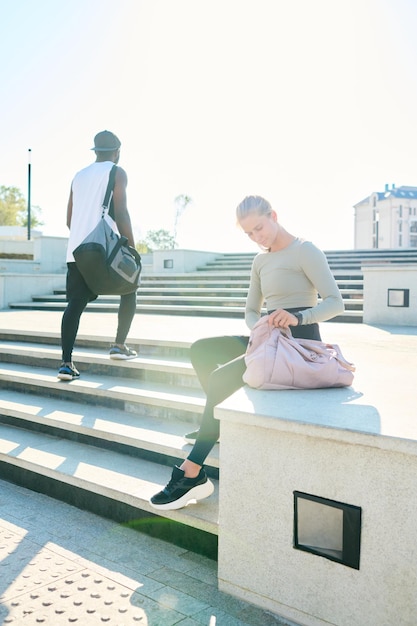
point(318, 347)
point(109, 190)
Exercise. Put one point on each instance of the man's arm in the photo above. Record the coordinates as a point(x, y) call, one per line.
point(69, 210)
point(121, 214)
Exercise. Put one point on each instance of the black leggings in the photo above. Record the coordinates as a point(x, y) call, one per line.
point(220, 364)
point(79, 296)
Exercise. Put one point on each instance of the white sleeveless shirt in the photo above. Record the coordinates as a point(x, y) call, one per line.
point(88, 190)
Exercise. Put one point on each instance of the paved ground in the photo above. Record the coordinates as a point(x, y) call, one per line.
point(60, 565)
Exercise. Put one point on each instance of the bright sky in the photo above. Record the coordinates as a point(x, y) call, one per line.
point(310, 103)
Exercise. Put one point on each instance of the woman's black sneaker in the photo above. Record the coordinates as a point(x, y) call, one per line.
point(180, 490)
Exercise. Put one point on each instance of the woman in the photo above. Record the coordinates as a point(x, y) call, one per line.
point(288, 275)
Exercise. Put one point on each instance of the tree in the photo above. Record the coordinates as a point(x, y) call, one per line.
point(12, 203)
point(163, 239)
point(142, 247)
point(13, 208)
point(181, 202)
point(159, 240)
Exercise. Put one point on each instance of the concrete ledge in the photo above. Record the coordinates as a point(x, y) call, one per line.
point(357, 446)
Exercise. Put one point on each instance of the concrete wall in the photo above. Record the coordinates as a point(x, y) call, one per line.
point(21, 279)
point(17, 233)
point(48, 254)
point(257, 560)
point(378, 280)
point(51, 253)
point(363, 227)
point(20, 247)
point(341, 445)
point(180, 261)
point(20, 286)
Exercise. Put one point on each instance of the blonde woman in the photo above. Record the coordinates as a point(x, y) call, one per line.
point(288, 275)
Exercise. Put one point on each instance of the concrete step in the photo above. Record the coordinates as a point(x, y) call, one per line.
point(157, 309)
point(191, 294)
point(331, 254)
point(168, 370)
point(197, 297)
point(196, 301)
point(208, 292)
point(107, 482)
point(149, 398)
point(139, 435)
point(221, 283)
point(144, 345)
point(352, 299)
point(107, 441)
point(160, 309)
point(202, 275)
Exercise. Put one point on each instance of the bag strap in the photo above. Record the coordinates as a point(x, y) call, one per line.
point(109, 190)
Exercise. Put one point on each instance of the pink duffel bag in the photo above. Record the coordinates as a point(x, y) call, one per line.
point(277, 360)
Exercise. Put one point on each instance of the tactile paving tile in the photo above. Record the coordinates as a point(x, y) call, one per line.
point(83, 598)
point(45, 588)
point(24, 566)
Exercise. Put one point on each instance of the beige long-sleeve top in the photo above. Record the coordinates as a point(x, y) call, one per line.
point(293, 277)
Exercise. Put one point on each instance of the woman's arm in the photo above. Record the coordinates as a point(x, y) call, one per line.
point(317, 270)
point(69, 210)
point(254, 299)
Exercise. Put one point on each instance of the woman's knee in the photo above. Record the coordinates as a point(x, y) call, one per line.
point(200, 351)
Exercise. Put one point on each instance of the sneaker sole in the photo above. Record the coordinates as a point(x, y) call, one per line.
point(196, 493)
point(66, 377)
point(122, 357)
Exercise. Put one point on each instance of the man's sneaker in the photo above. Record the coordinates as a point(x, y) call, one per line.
point(191, 437)
point(68, 371)
point(116, 352)
point(180, 490)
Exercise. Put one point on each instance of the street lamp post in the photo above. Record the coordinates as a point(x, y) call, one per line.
point(29, 184)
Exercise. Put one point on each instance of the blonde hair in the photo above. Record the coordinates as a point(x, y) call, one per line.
point(253, 204)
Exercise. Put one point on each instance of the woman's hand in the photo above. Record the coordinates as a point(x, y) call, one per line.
point(282, 319)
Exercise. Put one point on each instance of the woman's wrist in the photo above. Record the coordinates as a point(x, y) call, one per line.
point(299, 317)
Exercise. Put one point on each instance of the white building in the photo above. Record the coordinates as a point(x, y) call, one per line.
point(387, 219)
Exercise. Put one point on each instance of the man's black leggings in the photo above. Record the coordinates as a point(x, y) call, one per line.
point(79, 296)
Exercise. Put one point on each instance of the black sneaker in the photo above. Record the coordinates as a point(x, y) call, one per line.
point(68, 371)
point(180, 490)
point(191, 437)
point(121, 354)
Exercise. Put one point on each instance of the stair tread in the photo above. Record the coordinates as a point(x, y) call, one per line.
point(88, 355)
point(161, 308)
point(110, 386)
point(104, 472)
point(115, 425)
point(5, 333)
point(115, 306)
point(145, 299)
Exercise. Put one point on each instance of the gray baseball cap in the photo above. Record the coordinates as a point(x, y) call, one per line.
point(105, 141)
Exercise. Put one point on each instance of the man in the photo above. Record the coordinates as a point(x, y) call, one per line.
point(83, 214)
